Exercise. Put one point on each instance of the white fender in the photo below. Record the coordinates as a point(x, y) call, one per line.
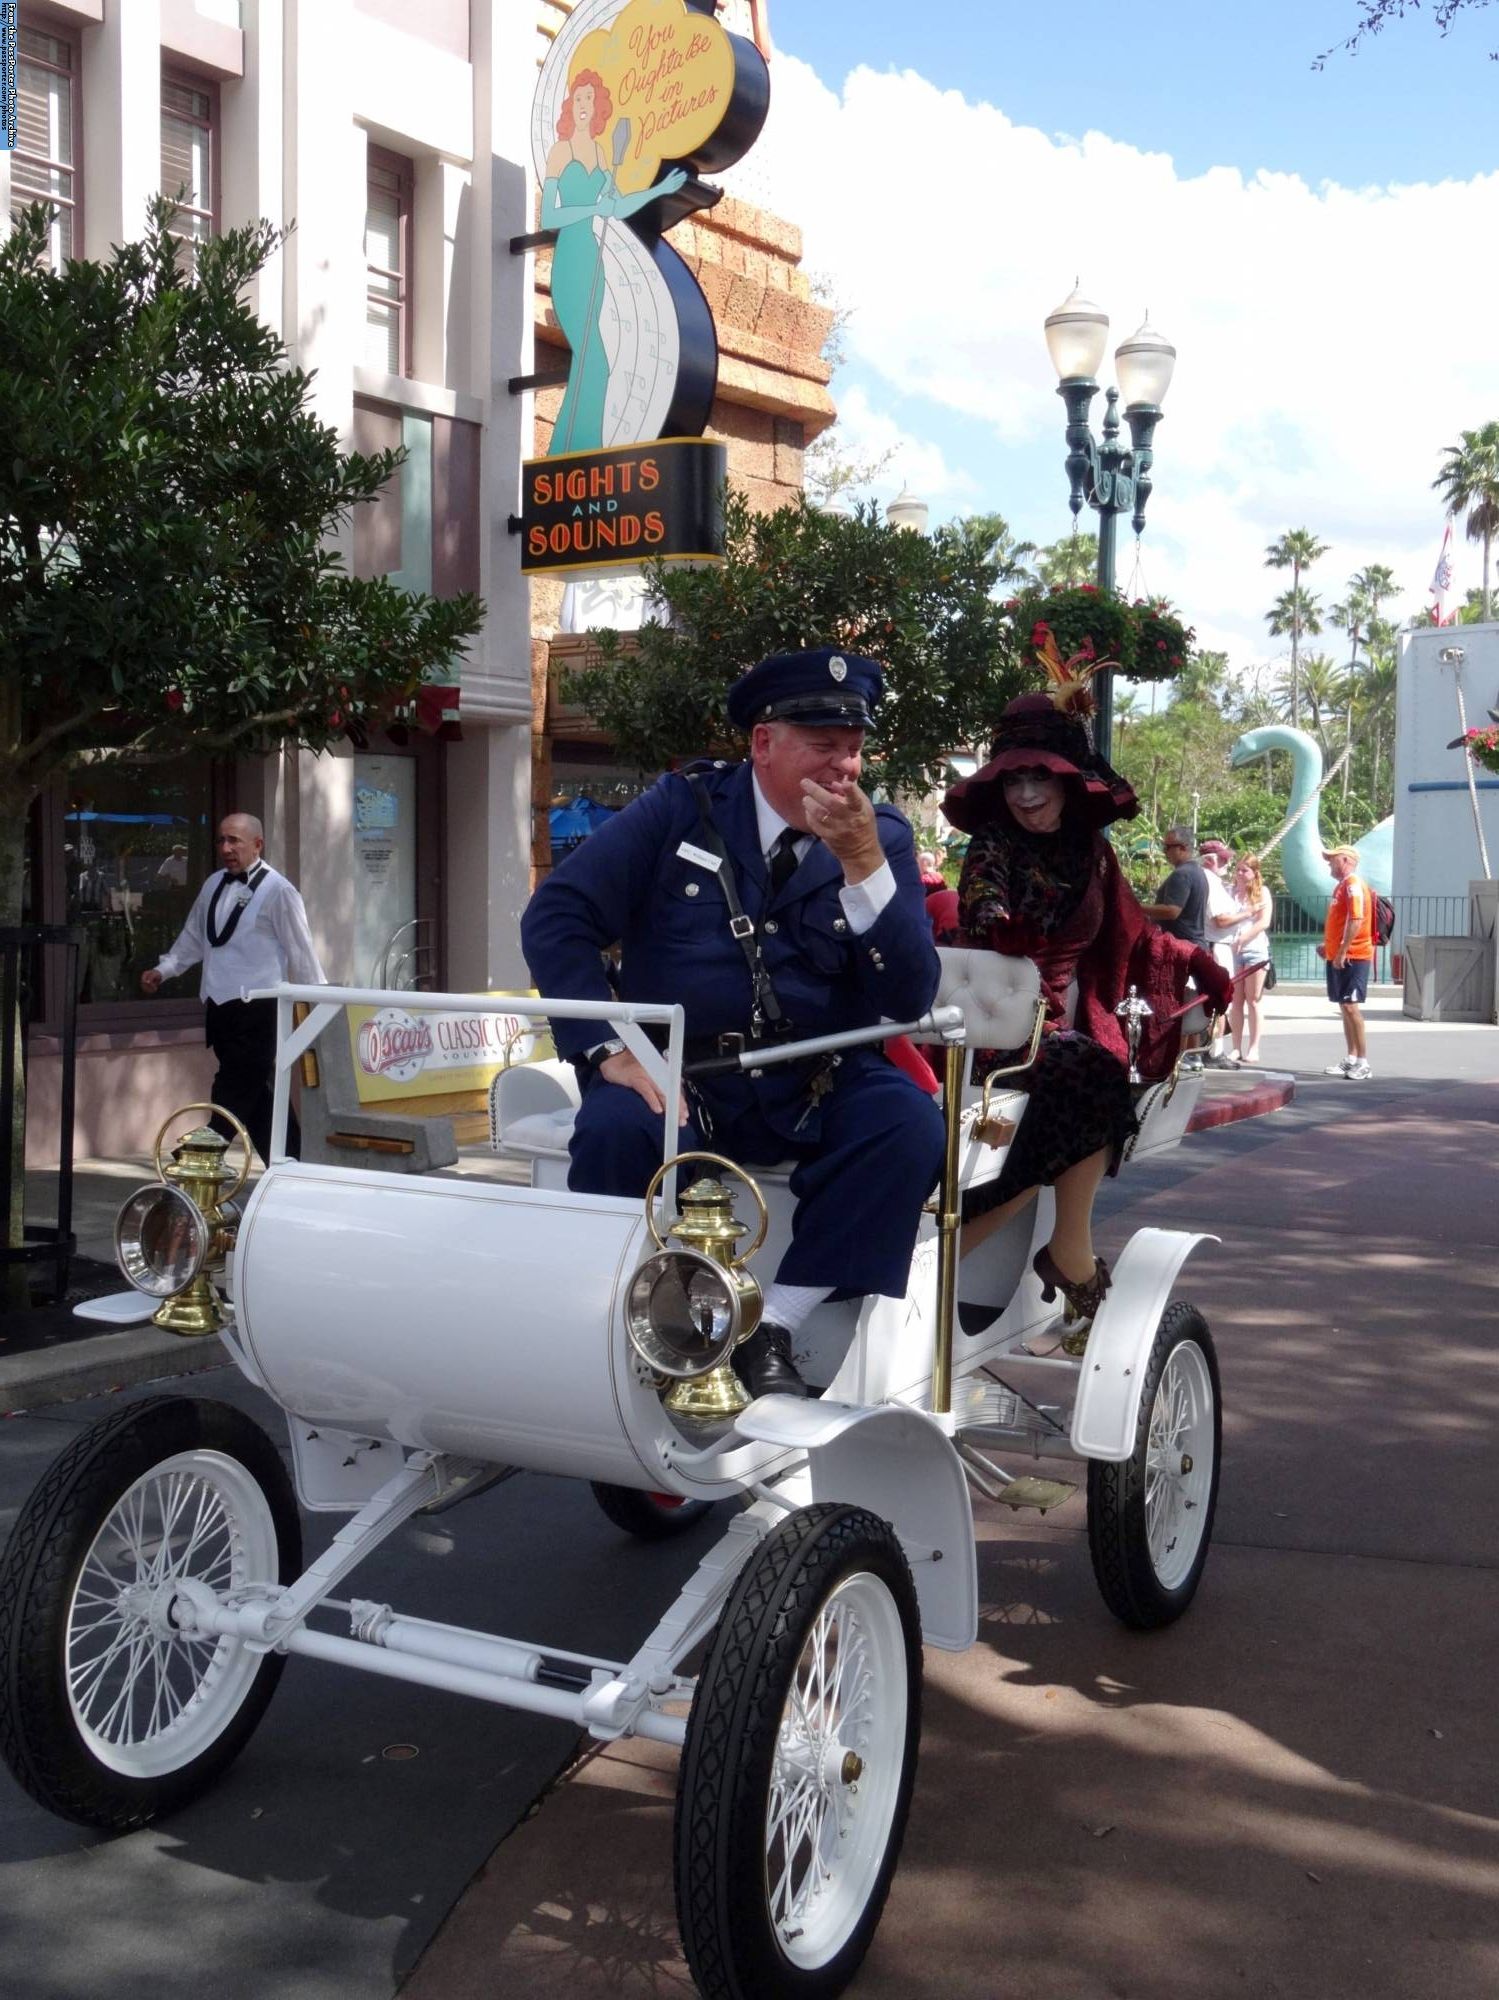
point(895, 1462)
point(1113, 1369)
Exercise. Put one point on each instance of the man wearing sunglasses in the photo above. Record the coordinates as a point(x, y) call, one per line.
point(1181, 902)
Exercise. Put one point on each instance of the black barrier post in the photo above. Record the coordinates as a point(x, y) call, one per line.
point(28, 954)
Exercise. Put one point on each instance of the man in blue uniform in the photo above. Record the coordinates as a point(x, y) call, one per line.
point(837, 937)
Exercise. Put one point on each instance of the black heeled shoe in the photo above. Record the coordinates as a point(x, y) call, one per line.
point(1083, 1299)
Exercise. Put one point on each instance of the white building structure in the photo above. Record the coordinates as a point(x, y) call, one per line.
point(1436, 844)
point(393, 134)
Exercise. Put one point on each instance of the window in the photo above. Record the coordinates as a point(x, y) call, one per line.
point(187, 161)
point(44, 163)
point(387, 256)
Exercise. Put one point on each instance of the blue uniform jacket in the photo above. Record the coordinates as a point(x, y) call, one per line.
point(628, 883)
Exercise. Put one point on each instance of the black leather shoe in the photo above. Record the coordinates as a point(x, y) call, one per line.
point(763, 1364)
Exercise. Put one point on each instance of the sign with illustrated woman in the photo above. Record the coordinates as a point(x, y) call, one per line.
point(636, 98)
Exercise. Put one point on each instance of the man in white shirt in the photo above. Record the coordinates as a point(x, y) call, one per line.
point(247, 927)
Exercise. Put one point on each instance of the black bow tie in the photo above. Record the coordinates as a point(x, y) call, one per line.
point(236, 875)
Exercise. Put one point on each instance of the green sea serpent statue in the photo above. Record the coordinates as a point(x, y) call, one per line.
point(1301, 851)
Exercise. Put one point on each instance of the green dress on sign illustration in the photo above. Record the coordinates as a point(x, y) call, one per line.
point(574, 195)
point(578, 299)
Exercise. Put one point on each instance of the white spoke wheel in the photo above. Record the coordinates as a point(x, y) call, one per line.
point(1150, 1519)
point(111, 1714)
point(650, 1517)
point(796, 1775)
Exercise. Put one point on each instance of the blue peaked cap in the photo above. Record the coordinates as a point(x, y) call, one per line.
point(823, 688)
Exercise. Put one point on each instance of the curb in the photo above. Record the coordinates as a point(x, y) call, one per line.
point(1269, 1093)
point(76, 1369)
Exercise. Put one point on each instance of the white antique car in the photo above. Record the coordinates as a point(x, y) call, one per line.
point(154, 1586)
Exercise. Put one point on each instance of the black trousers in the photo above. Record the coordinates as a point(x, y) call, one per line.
point(242, 1034)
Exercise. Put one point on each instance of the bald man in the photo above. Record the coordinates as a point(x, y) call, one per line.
point(247, 928)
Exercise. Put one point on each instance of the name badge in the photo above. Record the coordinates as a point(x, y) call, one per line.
point(698, 856)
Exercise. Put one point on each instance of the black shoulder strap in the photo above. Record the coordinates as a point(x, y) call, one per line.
point(767, 1006)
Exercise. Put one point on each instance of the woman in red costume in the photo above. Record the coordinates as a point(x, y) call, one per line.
point(1041, 882)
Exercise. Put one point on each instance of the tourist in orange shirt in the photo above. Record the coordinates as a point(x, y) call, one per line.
point(1348, 946)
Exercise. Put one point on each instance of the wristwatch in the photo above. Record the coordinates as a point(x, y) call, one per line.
point(601, 1052)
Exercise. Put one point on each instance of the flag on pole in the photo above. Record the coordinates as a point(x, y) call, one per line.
point(1441, 579)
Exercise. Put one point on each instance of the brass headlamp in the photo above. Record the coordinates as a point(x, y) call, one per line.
point(172, 1239)
point(691, 1303)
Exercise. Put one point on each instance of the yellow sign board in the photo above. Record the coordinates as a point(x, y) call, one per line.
point(401, 1053)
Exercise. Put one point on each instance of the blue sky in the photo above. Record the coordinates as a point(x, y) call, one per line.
point(1211, 82)
point(1306, 238)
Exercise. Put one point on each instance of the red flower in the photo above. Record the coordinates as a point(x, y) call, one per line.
point(174, 698)
point(1040, 632)
point(1160, 645)
point(336, 719)
point(1091, 588)
point(1012, 604)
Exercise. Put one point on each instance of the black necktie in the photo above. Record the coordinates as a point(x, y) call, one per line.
point(782, 859)
point(236, 875)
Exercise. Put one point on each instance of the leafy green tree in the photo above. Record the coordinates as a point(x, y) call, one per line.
point(1297, 550)
point(166, 585)
point(1072, 561)
point(1469, 485)
point(165, 582)
point(924, 605)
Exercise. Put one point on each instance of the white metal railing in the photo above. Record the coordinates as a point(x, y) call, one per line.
point(624, 1018)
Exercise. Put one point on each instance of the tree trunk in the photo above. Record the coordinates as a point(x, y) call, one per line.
point(1486, 594)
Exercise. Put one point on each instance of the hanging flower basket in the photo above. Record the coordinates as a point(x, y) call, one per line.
point(1145, 638)
point(1482, 745)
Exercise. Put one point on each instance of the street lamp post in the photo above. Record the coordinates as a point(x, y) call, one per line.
point(1113, 479)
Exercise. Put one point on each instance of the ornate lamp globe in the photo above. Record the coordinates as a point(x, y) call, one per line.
point(1144, 364)
point(1077, 333)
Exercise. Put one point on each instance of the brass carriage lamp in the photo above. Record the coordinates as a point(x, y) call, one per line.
point(172, 1239)
point(691, 1303)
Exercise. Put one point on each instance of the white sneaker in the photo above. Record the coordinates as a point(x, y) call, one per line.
point(1360, 1071)
point(1343, 1068)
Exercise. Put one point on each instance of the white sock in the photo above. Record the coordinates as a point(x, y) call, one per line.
point(789, 1305)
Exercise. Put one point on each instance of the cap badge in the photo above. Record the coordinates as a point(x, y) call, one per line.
point(838, 668)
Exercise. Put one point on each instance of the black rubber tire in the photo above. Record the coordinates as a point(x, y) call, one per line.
point(723, 1784)
point(649, 1517)
point(39, 1737)
point(1117, 1537)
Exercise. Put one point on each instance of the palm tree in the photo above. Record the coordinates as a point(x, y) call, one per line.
point(1469, 484)
point(1071, 561)
point(1294, 612)
point(1321, 682)
point(1373, 584)
point(1378, 710)
point(1297, 549)
point(1126, 711)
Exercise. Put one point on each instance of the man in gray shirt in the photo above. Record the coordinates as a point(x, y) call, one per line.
point(1181, 904)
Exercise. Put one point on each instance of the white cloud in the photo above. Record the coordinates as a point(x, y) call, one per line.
point(866, 434)
point(1328, 352)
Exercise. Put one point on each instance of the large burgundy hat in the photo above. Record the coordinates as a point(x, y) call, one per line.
point(1034, 734)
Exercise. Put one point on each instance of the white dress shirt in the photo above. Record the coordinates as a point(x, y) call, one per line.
point(862, 901)
point(271, 941)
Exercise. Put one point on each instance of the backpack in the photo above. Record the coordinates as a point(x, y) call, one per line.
point(1382, 916)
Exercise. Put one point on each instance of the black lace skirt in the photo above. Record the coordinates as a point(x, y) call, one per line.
point(1080, 1102)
